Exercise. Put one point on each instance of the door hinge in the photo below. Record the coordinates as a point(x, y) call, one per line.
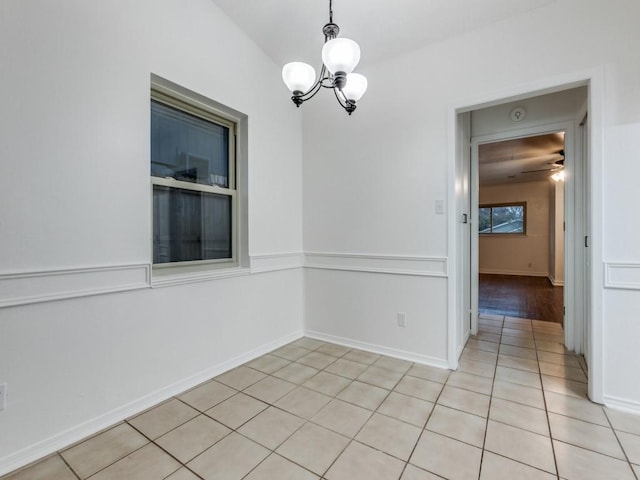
point(586, 241)
point(465, 218)
point(564, 311)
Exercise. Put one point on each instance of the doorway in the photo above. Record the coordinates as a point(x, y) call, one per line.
point(520, 226)
point(467, 123)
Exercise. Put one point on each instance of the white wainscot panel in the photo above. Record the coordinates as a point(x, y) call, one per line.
point(393, 264)
point(622, 275)
point(33, 287)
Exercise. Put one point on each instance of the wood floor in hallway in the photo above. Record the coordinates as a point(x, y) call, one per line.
point(524, 297)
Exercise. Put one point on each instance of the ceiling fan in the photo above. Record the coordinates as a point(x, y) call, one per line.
point(557, 165)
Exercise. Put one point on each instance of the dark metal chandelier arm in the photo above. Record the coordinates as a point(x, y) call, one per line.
point(335, 91)
point(348, 105)
point(325, 80)
point(309, 94)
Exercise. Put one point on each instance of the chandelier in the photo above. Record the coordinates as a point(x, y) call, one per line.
point(339, 57)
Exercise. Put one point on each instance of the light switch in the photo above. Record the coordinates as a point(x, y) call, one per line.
point(439, 206)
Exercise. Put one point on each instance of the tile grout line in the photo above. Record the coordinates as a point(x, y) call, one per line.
point(546, 410)
point(424, 428)
point(305, 421)
point(493, 381)
point(68, 466)
point(353, 439)
point(334, 397)
point(272, 405)
point(119, 459)
point(235, 430)
point(545, 407)
point(615, 433)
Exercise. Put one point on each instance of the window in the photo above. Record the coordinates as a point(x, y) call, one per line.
point(502, 218)
point(193, 174)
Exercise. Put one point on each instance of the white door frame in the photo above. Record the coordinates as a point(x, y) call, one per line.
point(594, 79)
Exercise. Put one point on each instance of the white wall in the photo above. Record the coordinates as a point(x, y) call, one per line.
point(370, 181)
point(75, 193)
point(518, 254)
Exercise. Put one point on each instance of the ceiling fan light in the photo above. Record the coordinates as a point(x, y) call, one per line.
point(355, 87)
point(341, 55)
point(298, 76)
point(558, 176)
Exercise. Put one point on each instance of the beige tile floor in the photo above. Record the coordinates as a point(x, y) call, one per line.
point(515, 409)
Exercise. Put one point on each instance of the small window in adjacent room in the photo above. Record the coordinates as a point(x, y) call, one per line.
point(193, 174)
point(502, 219)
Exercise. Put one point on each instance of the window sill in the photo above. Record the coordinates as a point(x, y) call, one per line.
point(170, 279)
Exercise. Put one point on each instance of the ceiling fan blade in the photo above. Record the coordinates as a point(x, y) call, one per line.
point(541, 170)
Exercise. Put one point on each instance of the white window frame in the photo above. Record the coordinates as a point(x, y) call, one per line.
point(198, 106)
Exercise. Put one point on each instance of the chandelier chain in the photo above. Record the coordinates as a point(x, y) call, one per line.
point(330, 11)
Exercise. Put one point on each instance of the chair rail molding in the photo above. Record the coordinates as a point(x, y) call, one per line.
point(374, 263)
point(24, 288)
point(272, 262)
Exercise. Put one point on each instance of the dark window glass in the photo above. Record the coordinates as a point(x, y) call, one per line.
point(501, 219)
point(188, 148)
point(190, 225)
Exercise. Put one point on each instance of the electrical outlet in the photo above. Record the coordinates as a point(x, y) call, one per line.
point(402, 319)
point(3, 396)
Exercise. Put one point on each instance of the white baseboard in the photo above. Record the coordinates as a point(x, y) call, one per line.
point(464, 344)
point(68, 437)
point(616, 403)
point(556, 283)
point(370, 347)
point(514, 272)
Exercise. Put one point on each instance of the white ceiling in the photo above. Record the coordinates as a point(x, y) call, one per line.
point(291, 30)
point(527, 159)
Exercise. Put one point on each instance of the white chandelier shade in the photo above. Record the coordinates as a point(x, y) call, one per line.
point(341, 55)
point(298, 76)
point(355, 87)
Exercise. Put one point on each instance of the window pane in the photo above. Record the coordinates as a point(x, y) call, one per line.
point(188, 148)
point(484, 220)
point(189, 225)
point(508, 219)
